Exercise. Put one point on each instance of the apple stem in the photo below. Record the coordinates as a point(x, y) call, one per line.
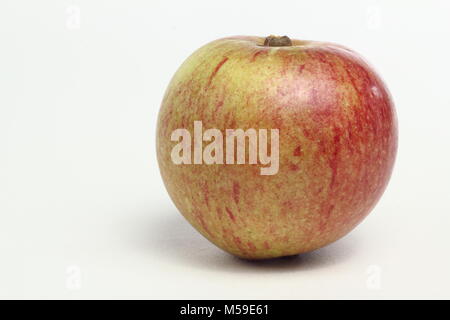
point(276, 41)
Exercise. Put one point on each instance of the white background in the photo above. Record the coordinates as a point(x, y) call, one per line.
point(83, 211)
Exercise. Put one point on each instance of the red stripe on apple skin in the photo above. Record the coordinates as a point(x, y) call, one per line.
point(326, 213)
point(256, 55)
point(238, 243)
point(206, 194)
point(297, 151)
point(327, 61)
point(219, 213)
point(216, 69)
point(236, 192)
point(251, 246)
point(201, 219)
point(230, 214)
point(301, 68)
point(218, 106)
point(334, 160)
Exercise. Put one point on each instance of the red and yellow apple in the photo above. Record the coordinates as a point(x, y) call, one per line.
point(337, 143)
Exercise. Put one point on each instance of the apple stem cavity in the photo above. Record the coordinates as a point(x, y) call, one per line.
point(276, 41)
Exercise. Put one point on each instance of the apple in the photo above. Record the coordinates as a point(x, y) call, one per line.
point(314, 115)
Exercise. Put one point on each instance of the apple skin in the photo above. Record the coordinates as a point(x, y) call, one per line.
point(338, 142)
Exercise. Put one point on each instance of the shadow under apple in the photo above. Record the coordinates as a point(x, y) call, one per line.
point(173, 238)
